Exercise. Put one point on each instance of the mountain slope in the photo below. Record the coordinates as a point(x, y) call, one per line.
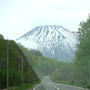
point(52, 40)
point(17, 63)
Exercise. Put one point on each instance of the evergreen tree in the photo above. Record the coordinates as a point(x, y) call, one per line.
point(82, 61)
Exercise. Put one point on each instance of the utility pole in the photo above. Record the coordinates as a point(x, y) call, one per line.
point(7, 66)
point(22, 70)
point(28, 72)
point(88, 71)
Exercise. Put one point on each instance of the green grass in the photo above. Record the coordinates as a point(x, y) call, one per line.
point(76, 83)
point(26, 86)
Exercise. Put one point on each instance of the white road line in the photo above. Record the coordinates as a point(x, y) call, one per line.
point(48, 81)
point(58, 88)
point(68, 85)
point(54, 84)
point(36, 86)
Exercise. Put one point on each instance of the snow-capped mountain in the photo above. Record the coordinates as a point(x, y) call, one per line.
point(52, 40)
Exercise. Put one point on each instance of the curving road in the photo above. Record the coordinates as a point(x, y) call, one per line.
point(47, 84)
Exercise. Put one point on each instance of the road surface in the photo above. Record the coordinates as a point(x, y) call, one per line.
point(47, 84)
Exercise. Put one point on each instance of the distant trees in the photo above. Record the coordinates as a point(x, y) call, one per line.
point(35, 52)
point(42, 65)
point(1, 36)
point(65, 72)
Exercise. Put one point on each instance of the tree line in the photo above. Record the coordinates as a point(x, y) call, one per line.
point(78, 71)
point(20, 71)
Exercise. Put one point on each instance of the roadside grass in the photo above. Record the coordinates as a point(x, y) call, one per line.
point(73, 83)
point(26, 86)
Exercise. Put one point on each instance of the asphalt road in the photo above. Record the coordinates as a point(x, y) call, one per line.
point(47, 84)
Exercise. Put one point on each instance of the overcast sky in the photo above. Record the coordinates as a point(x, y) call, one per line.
point(19, 16)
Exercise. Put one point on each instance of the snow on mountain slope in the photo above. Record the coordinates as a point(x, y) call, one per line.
point(52, 40)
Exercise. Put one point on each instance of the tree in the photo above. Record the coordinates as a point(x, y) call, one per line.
point(1, 36)
point(82, 61)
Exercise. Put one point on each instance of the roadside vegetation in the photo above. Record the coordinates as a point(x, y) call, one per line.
point(27, 86)
point(43, 66)
point(82, 61)
point(20, 71)
point(78, 72)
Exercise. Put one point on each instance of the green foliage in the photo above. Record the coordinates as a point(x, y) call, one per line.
point(82, 61)
point(26, 86)
point(42, 65)
point(16, 60)
point(64, 72)
point(1, 36)
point(58, 71)
point(78, 72)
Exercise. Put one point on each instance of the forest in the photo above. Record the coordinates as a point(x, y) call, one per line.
point(19, 70)
point(77, 72)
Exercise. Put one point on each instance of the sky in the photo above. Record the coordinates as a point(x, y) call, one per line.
point(20, 16)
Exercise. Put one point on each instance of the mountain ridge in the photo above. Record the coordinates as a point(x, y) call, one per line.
point(53, 41)
point(40, 26)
